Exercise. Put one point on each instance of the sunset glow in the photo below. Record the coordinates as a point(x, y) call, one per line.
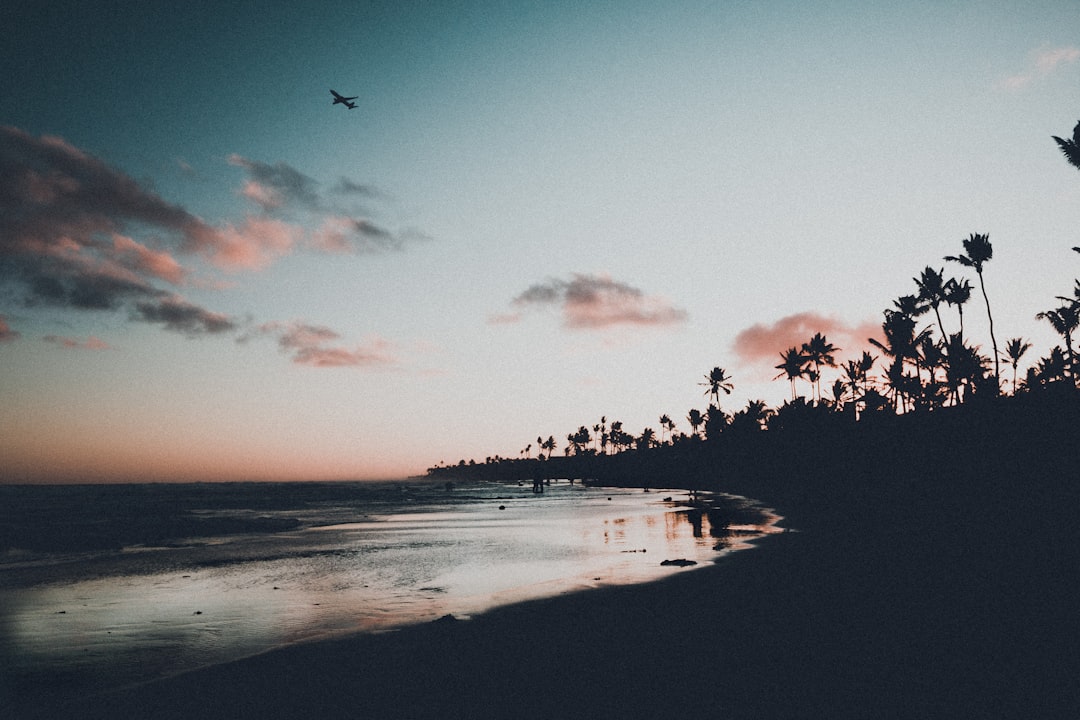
point(534, 217)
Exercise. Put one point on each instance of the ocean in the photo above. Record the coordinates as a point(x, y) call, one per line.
point(103, 586)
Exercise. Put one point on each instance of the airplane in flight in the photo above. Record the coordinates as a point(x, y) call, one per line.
point(344, 100)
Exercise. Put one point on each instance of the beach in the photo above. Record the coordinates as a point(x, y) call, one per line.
point(895, 594)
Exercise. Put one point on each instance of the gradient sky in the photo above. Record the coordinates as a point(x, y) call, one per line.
point(539, 213)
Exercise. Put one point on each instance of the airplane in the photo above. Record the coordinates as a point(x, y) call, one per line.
point(344, 100)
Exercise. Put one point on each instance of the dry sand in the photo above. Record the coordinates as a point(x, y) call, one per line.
point(896, 595)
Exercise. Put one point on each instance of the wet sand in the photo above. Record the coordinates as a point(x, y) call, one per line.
point(899, 594)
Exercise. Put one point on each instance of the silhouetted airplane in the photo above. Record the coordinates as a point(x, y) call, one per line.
point(344, 100)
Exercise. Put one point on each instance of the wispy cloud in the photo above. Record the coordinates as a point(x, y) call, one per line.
point(590, 302)
point(763, 343)
point(273, 186)
point(342, 226)
point(1042, 62)
point(342, 234)
point(316, 346)
point(70, 343)
point(178, 315)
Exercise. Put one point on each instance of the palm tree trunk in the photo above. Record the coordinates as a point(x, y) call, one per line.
point(993, 340)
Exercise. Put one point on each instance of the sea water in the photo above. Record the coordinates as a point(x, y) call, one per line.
point(357, 557)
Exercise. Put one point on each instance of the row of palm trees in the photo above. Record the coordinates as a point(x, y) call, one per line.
point(924, 368)
point(920, 371)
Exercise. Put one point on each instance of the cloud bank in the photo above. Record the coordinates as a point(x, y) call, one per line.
point(591, 302)
point(79, 234)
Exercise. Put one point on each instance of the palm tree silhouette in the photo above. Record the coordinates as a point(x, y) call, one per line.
point(910, 305)
point(1014, 350)
point(957, 293)
point(758, 411)
point(965, 366)
point(932, 356)
point(1051, 368)
point(695, 418)
point(1071, 149)
point(977, 252)
point(664, 422)
point(717, 380)
point(900, 344)
point(647, 439)
point(819, 351)
point(1064, 320)
point(792, 366)
point(932, 291)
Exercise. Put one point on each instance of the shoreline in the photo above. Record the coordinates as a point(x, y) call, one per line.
point(936, 586)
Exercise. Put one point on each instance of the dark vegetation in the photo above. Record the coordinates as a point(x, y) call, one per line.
point(922, 389)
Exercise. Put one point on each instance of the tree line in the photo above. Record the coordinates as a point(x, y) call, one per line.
point(923, 363)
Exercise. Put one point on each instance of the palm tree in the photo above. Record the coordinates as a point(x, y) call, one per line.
point(758, 411)
point(670, 426)
point(715, 381)
point(866, 364)
point(932, 290)
point(964, 365)
point(664, 420)
point(819, 351)
point(647, 439)
point(910, 305)
point(1071, 148)
point(900, 344)
point(548, 445)
point(977, 252)
point(1064, 320)
point(793, 366)
point(695, 418)
point(1049, 369)
point(932, 356)
point(1014, 350)
point(958, 292)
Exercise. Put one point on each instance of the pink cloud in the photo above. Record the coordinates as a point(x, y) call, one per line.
point(252, 246)
point(309, 345)
point(70, 343)
point(594, 302)
point(763, 343)
point(159, 264)
point(266, 197)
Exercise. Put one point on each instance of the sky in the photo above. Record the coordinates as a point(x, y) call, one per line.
point(539, 214)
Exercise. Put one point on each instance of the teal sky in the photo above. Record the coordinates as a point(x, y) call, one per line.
point(538, 214)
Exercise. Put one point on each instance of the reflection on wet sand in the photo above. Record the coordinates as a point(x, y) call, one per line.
point(224, 598)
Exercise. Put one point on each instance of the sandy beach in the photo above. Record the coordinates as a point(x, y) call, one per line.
point(896, 594)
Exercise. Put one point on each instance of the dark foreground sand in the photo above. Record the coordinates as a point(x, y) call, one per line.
point(903, 594)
